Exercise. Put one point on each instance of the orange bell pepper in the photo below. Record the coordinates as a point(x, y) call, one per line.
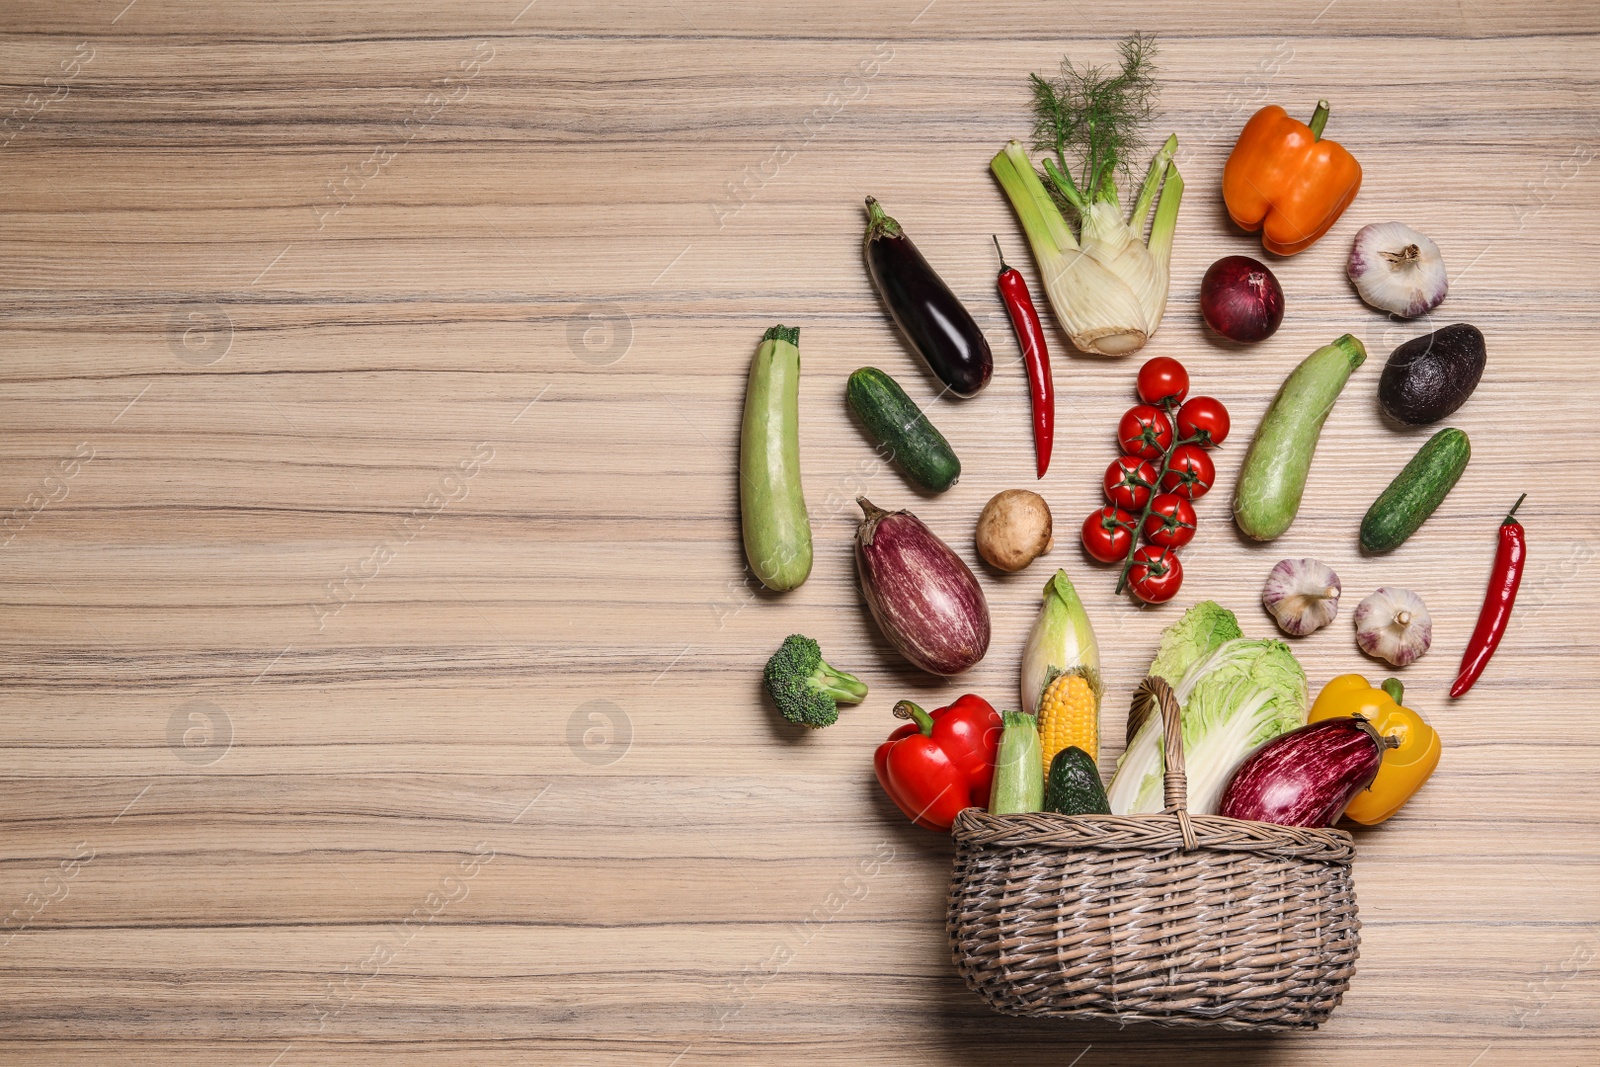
point(1283, 179)
point(1406, 766)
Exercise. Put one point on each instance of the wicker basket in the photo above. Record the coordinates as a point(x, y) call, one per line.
point(1173, 918)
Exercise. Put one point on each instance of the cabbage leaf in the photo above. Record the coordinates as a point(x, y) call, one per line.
point(1235, 695)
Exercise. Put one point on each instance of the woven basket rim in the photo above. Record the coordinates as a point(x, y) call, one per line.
point(1155, 832)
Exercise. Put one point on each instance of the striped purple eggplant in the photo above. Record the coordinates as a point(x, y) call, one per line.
point(1308, 776)
point(923, 597)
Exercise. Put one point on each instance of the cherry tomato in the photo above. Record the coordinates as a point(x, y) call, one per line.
point(1108, 534)
point(1128, 481)
point(1163, 378)
point(1155, 575)
point(1190, 472)
point(1171, 521)
point(1144, 431)
point(1205, 417)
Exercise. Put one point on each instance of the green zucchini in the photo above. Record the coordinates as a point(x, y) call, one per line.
point(899, 425)
point(1416, 491)
point(772, 507)
point(1273, 477)
point(1073, 785)
point(1018, 766)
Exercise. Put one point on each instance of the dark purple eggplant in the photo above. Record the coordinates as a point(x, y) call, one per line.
point(920, 593)
point(924, 308)
point(1308, 776)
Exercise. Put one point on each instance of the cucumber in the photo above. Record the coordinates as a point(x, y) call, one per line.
point(1273, 477)
point(1416, 491)
point(772, 508)
point(1073, 785)
point(899, 425)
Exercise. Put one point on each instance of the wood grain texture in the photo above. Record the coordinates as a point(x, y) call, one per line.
point(380, 667)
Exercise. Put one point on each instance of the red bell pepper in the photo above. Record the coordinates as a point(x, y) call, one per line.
point(939, 764)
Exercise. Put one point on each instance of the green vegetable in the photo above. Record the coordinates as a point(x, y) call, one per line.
point(1018, 766)
point(777, 531)
point(1274, 473)
point(1203, 629)
point(1073, 787)
point(807, 690)
point(1107, 283)
point(894, 421)
point(1235, 695)
point(1416, 491)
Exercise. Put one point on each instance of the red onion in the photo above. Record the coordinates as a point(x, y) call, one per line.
point(1306, 777)
point(1241, 300)
point(922, 596)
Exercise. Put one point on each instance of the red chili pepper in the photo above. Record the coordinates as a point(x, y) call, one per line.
point(937, 765)
point(1503, 582)
point(1035, 356)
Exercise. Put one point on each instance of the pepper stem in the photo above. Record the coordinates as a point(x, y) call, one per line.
point(1002, 255)
point(1395, 689)
point(1319, 119)
point(1510, 519)
point(905, 709)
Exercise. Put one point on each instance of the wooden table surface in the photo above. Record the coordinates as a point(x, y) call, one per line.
point(380, 669)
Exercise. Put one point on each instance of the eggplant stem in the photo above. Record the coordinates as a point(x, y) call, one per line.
point(872, 510)
point(879, 224)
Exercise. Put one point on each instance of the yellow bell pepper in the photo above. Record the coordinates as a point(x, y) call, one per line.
point(1406, 766)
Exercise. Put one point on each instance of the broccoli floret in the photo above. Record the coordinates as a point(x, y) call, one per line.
point(807, 690)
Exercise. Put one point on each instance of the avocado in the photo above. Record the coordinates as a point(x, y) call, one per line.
point(1429, 377)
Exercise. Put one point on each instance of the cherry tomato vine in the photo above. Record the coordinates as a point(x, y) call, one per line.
point(1164, 466)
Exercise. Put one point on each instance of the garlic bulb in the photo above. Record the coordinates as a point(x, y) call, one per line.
point(1397, 269)
point(1393, 624)
point(1302, 594)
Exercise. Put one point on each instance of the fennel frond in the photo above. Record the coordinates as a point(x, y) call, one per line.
point(1106, 282)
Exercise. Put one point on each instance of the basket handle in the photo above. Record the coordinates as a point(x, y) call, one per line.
point(1176, 781)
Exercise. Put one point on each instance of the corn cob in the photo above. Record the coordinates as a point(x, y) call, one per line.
point(1069, 714)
